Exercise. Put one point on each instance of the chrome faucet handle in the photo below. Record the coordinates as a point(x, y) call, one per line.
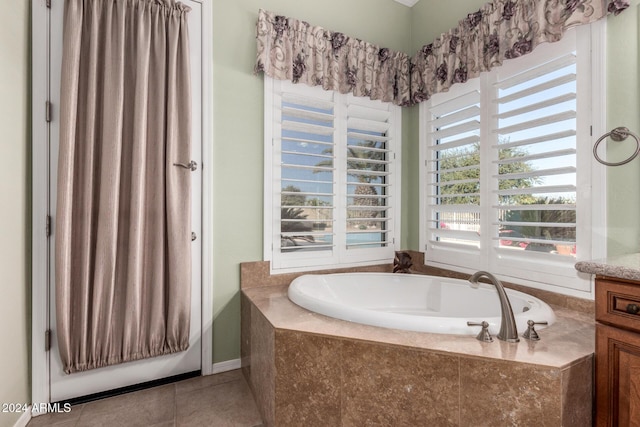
point(530, 333)
point(484, 334)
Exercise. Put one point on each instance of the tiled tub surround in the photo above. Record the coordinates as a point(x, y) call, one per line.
point(312, 370)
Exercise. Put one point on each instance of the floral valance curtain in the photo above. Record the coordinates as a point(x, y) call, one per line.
point(500, 30)
point(289, 49)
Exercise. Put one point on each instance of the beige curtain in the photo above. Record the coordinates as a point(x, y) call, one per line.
point(123, 233)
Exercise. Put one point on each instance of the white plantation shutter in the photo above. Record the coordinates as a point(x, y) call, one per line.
point(501, 178)
point(452, 182)
point(369, 166)
point(536, 143)
point(330, 163)
point(307, 170)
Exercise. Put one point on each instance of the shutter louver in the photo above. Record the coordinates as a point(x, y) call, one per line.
point(536, 143)
point(307, 173)
point(453, 171)
point(368, 175)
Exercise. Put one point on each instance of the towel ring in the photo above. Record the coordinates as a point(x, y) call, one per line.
point(618, 134)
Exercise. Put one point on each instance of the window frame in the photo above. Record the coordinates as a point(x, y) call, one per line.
point(539, 270)
point(339, 255)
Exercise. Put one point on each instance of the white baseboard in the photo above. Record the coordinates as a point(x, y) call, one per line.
point(24, 418)
point(228, 365)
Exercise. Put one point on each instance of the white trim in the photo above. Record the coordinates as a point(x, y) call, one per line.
point(227, 365)
point(40, 18)
point(207, 188)
point(267, 214)
point(599, 123)
point(596, 193)
point(24, 418)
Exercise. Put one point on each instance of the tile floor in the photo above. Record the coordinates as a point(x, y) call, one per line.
point(222, 400)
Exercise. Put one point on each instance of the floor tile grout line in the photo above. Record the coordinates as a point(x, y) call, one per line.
point(144, 394)
point(77, 421)
point(207, 386)
point(175, 404)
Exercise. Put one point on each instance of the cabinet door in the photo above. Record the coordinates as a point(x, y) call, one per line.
point(617, 377)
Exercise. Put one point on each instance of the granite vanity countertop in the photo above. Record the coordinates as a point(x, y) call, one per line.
point(621, 267)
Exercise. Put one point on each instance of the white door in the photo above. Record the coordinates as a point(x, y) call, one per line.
point(67, 386)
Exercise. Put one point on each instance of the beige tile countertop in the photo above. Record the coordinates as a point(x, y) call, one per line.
point(562, 344)
point(621, 267)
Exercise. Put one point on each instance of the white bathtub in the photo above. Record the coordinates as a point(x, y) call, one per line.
point(413, 302)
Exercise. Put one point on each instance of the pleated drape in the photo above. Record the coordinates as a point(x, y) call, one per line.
point(291, 49)
point(500, 30)
point(122, 229)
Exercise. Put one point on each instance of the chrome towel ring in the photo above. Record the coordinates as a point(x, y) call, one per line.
point(618, 134)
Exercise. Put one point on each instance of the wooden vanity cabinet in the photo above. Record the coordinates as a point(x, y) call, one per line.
point(617, 352)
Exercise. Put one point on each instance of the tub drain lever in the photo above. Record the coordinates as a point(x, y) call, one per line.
point(531, 333)
point(484, 334)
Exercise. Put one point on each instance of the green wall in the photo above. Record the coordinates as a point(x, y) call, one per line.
point(238, 126)
point(239, 137)
point(429, 19)
point(238, 131)
point(15, 315)
point(623, 109)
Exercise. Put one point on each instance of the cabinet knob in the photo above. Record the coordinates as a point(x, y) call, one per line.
point(633, 309)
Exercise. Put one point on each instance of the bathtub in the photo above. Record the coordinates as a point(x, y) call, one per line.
point(413, 302)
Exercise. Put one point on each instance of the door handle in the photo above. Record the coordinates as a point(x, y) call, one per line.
point(191, 165)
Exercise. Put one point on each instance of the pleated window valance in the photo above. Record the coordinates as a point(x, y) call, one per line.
point(500, 30)
point(289, 49)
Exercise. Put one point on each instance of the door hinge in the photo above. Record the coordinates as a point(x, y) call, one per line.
point(47, 227)
point(48, 3)
point(47, 340)
point(47, 111)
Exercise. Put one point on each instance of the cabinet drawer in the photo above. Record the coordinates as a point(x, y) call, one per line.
point(618, 304)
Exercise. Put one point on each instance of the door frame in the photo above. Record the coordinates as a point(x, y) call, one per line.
point(41, 216)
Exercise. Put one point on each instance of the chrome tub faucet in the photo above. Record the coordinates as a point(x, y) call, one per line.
point(508, 331)
point(402, 262)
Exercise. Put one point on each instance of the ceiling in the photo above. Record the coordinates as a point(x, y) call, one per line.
point(408, 3)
